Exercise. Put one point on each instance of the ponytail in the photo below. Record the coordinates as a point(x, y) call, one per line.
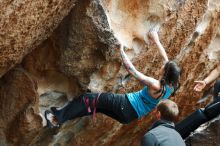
point(171, 76)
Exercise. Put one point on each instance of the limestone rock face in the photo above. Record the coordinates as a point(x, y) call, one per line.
point(25, 24)
point(135, 19)
point(82, 55)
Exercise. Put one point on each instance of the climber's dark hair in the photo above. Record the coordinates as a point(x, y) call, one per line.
point(171, 75)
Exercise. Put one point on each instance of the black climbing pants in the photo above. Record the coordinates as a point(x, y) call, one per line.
point(116, 106)
point(216, 90)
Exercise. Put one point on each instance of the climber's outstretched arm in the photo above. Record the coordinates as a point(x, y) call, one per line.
point(210, 78)
point(155, 38)
point(213, 75)
point(149, 81)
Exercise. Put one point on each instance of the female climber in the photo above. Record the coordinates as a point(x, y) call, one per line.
point(123, 107)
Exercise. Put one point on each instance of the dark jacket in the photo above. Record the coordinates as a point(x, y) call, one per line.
point(162, 133)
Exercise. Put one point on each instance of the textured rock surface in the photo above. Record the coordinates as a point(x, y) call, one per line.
point(88, 37)
point(82, 45)
point(43, 65)
point(134, 19)
point(82, 55)
point(52, 99)
point(206, 137)
point(25, 24)
point(19, 120)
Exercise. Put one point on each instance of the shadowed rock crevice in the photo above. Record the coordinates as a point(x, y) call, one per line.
point(19, 108)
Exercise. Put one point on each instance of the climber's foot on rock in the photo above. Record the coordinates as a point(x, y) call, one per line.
point(51, 119)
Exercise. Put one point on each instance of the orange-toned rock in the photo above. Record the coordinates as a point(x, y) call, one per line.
point(82, 55)
point(25, 24)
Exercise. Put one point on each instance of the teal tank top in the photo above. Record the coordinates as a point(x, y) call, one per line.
point(143, 103)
